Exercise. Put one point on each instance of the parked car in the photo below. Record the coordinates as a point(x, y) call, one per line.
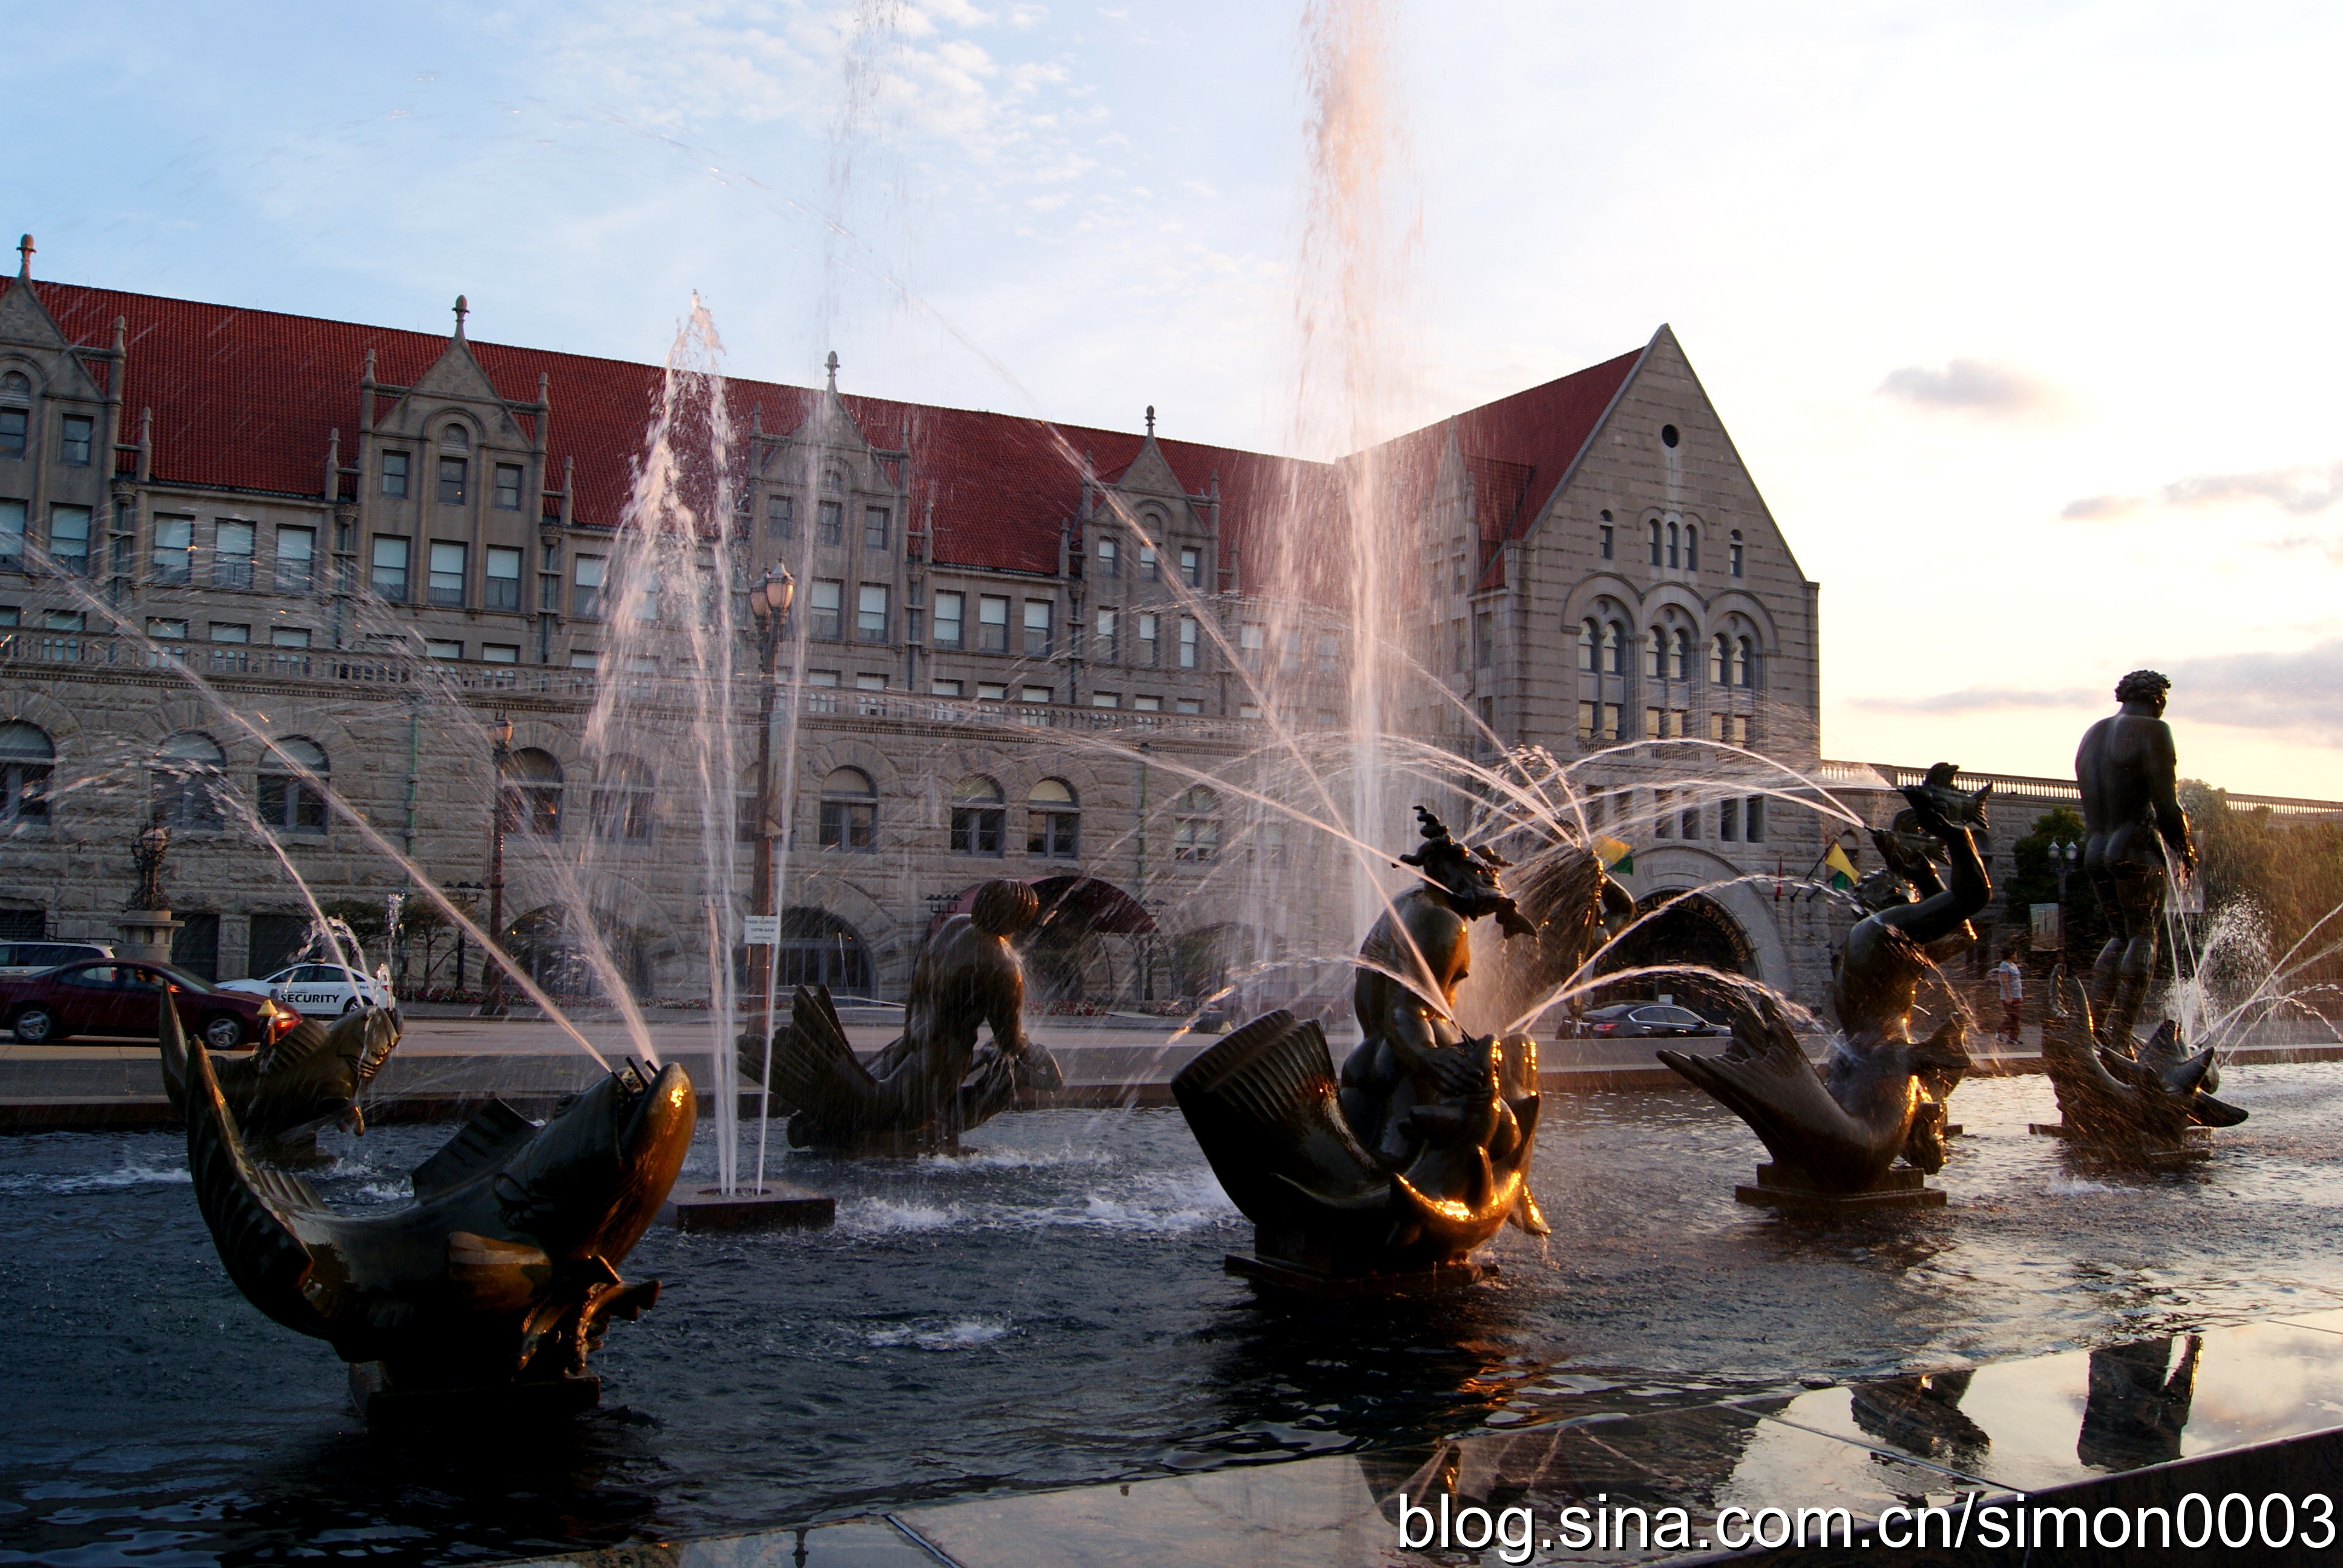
point(32, 957)
point(119, 998)
point(320, 990)
point(1641, 1021)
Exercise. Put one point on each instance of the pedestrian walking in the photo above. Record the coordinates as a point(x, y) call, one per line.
point(2011, 982)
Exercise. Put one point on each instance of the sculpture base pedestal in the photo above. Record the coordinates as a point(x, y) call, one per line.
point(387, 1404)
point(775, 1206)
point(1276, 1273)
point(146, 936)
point(1899, 1189)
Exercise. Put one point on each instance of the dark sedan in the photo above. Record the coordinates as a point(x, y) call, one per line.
point(119, 997)
point(1641, 1021)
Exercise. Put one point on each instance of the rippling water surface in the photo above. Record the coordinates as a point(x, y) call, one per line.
point(1050, 1309)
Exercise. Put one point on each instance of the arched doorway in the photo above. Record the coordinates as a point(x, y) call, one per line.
point(1679, 928)
point(817, 948)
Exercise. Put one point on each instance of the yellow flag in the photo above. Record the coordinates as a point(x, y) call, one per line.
point(1841, 869)
point(1614, 855)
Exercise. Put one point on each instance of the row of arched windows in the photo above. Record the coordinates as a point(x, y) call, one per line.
point(188, 787)
point(1669, 653)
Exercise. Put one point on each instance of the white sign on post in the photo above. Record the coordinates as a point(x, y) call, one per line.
point(760, 930)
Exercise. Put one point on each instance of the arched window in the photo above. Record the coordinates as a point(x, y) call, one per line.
point(1656, 654)
point(849, 811)
point(187, 784)
point(817, 948)
point(26, 762)
point(1674, 554)
point(1654, 527)
point(834, 481)
point(1692, 548)
point(1615, 663)
point(1745, 662)
point(1720, 659)
point(289, 802)
point(1590, 638)
point(1736, 552)
point(1196, 826)
point(622, 800)
point(977, 816)
point(1052, 822)
point(534, 779)
point(1682, 663)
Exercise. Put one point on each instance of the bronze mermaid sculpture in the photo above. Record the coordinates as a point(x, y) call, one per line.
point(1419, 1153)
point(1880, 1095)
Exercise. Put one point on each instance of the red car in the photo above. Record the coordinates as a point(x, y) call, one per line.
point(119, 997)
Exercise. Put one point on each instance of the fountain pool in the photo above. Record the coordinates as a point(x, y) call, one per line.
point(1050, 1309)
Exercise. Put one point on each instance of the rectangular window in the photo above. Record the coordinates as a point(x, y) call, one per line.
point(74, 449)
point(1652, 722)
point(226, 633)
point(943, 688)
point(991, 623)
point(14, 426)
point(870, 683)
point(1034, 694)
point(1189, 705)
point(1485, 625)
point(1191, 565)
point(828, 607)
point(172, 631)
point(447, 573)
point(67, 620)
point(870, 613)
point(1248, 710)
point(1728, 820)
point(11, 536)
point(1053, 835)
point(231, 554)
point(1664, 816)
point(977, 829)
point(585, 659)
point(821, 678)
point(1109, 557)
point(504, 579)
point(1106, 699)
point(69, 541)
point(297, 559)
point(1740, 735)
point(1146, 704)
point(508, 487)
point(1457, 639)
point(781, 516)
point(1607, 542)
point(1147, 641)
point(1251, 639)
point(442, 648)
point(290, 637)
point(1587, 718)
point(830, 522)
point(587, 574)
point(874, 528)
point(499, 653)
point(1737, 560)
point(1036, 628)
point(1147, 562)
point(991, 691)
point(951, 609)
point(1614, 721)
point(848, 824)
point(1753, 818)
point(1109, 636)
point(451, 481)
point(394, 473)
point(1190, 653)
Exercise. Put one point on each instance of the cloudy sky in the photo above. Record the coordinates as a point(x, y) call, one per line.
point(2024, 315)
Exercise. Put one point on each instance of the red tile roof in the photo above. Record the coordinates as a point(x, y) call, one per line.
point(244, 400)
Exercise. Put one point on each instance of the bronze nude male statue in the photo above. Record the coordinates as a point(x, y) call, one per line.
point(1880, 1095)
point(934, 1081)
point(2132, 820)
point(1386, 1178)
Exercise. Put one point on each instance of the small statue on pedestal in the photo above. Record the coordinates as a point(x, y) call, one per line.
point(1836, 1132)
point(934, 1081)
point(1385, 1181)
point(146, 852)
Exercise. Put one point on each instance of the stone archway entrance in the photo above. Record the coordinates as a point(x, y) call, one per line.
point(1679, 928)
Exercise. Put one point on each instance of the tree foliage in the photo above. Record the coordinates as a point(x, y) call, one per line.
point(2035, 881)
point(2291, 870)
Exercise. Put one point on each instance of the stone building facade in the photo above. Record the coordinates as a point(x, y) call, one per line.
point(243, 555)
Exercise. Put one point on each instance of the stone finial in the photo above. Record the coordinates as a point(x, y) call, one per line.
point(463, 308)
point(25, 257)
point(1150, 421)
point(830, 364)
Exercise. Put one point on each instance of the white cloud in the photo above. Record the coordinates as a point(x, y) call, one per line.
point(1972, 386)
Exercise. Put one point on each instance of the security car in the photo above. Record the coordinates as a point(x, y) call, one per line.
point(320, 990)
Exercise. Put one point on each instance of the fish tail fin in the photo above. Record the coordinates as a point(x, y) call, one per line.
point(242, 1205)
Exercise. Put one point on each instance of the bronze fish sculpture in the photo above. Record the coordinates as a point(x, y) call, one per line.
point(2149, 1103)
point(307, 1078)
point(503, 1271)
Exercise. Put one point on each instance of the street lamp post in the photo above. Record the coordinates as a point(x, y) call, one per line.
point(492, 984)
point(2062, 858)
point(769, 603)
